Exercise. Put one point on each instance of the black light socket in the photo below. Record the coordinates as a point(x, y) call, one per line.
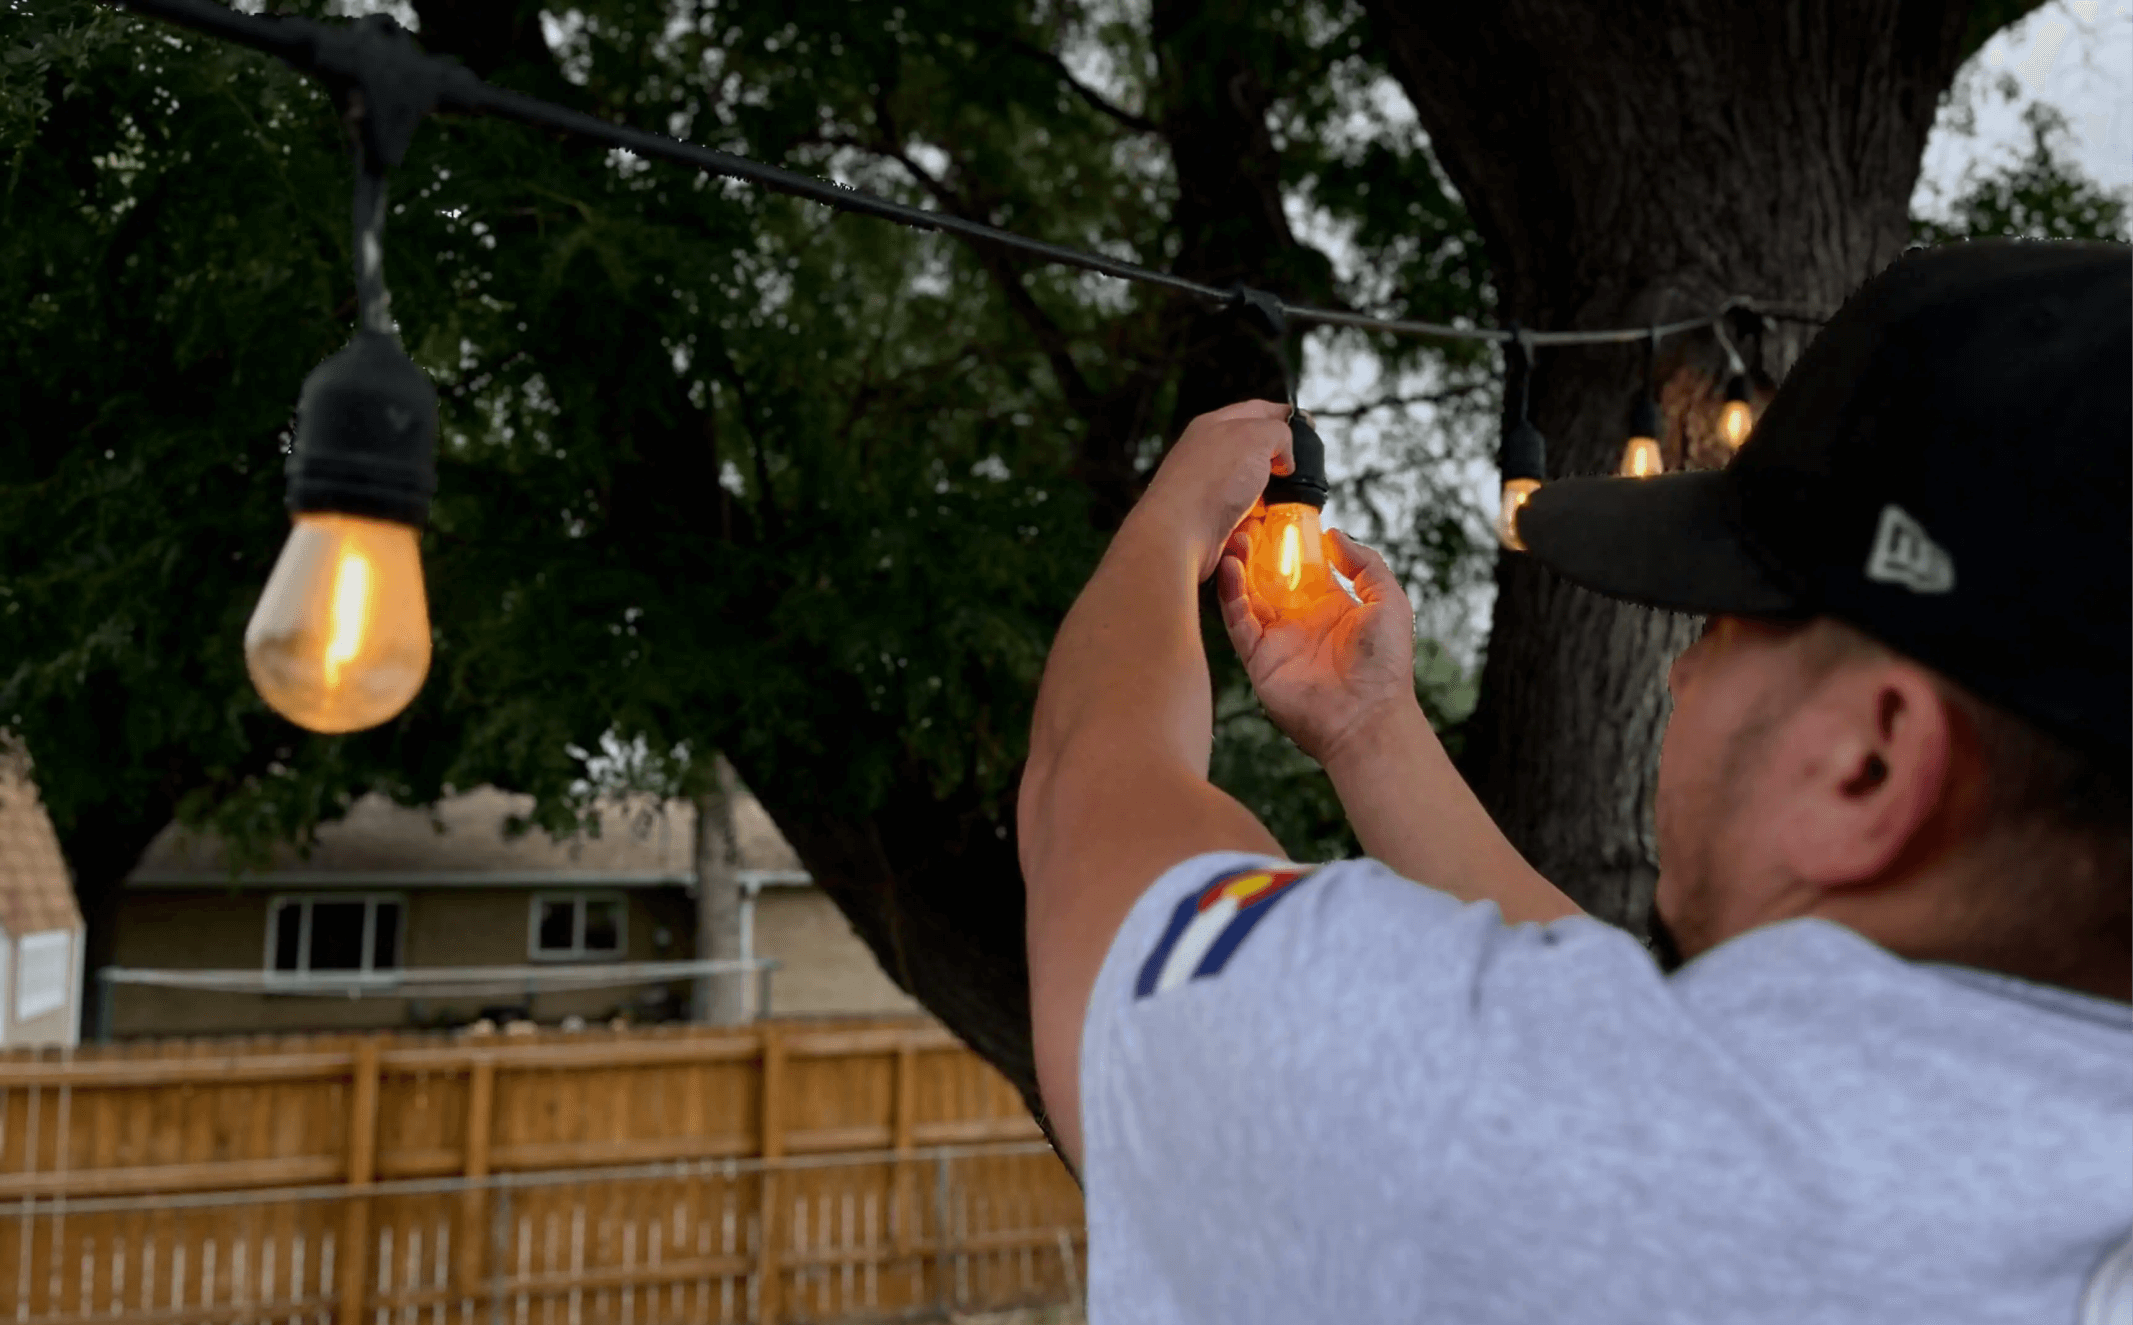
point(1524, 453)
point(1644, 420)
point(1737, 389)
point(366, 435)
point(1306, 484)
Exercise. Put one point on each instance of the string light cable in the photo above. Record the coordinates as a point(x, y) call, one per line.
point(401, 83)
point(340, 639)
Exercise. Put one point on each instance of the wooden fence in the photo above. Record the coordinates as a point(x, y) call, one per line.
point(788, 1171)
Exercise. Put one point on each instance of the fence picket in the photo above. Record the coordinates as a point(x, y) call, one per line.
point(694, 1174)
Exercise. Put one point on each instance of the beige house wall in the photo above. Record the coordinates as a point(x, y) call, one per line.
point(825, 969)
point(180, 929)
point(57, 1026)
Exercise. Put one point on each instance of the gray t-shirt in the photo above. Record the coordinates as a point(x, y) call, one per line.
point(1334, 1095)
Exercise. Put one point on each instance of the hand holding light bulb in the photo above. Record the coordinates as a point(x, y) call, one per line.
point(1284, 545)
point(1328, 668)
point(1212, 478)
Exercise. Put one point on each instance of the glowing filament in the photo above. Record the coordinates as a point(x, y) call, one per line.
point(351, 611)
point(1516, 493)
point(1734, 421)
point(1291, 568)
point(1641, 459)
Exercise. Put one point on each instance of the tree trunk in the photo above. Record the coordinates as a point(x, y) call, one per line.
point(99, 857)
point(1627, 165)
point(721, 1000)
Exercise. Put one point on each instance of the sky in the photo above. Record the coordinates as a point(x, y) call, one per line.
point(2074, 55)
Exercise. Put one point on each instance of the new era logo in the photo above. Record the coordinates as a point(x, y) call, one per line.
point(1904, 555)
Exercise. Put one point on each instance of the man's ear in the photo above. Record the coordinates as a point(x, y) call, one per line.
point(1879, 775)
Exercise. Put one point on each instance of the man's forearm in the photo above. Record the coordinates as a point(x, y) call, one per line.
point(1128, 656)
point(1412, 810)
point(1115, 790)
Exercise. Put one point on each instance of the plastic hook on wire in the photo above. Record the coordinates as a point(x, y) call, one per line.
point(1264, 312)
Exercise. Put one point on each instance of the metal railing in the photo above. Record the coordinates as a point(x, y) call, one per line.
point(434, 981)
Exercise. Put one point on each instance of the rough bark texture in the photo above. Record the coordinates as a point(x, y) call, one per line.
point(1629, 164)
point(722, 1000)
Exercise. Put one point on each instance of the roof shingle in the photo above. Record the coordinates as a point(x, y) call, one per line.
point(36, 893)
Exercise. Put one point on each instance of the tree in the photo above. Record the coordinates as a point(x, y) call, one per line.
point(2040, 195)
point(723, 472)
point(1628, 166)
point(720, 471)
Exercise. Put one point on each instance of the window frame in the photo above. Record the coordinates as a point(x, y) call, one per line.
point(577, 897)
point(303, 974)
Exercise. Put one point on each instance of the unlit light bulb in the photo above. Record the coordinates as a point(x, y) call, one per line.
point(340, 640)
point(1516, 493)
point(1288, 559)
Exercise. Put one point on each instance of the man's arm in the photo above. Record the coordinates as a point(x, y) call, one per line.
point(1412, 810)
point(1340, 681)
point(1115, 791)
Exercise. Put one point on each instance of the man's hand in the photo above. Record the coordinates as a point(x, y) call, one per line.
point(1327, 674)
point(1213, 476)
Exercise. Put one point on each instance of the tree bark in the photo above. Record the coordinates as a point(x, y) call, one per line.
point(1626, 165)
point(100, 854)
point(721, 1000)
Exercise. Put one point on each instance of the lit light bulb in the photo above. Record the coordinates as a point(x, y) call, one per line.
point(1286, 562)
point(1287, 566)
point(1736, 417)
point(340, 640)
point(1641, 458)
point(1516, 493)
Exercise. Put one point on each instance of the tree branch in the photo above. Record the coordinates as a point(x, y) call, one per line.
point(1081, 395)
point(1096, 100)
point(1393, 402)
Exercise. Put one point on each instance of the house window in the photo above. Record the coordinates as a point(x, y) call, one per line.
point(577, 927)
point(334, 934)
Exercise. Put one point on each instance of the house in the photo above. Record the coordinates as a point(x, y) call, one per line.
point(340, 937)
point(40, 926)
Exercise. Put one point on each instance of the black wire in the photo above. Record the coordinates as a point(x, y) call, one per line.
point(489, 100)
point(447, 85)
point(373, 303)
point(1518, 344)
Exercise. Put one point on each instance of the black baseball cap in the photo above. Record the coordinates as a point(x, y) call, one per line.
point(1946, 468)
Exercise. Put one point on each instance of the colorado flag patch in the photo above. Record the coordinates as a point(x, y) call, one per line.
point(1208, 925)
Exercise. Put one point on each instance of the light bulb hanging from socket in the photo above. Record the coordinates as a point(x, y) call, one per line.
point(340, 639)
point(1286, 564)
point(1523, 458)
point(1736, 418)
point(1641, 457)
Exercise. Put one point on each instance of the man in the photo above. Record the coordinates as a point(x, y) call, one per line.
point(1893, 1080)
